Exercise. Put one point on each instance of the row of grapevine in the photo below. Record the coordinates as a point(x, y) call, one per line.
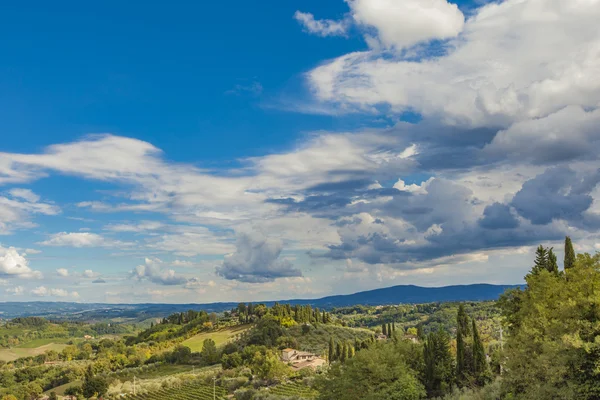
point(190, 391)
point(294, 389)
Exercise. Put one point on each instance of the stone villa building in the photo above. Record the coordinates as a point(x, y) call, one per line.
point(301, 359)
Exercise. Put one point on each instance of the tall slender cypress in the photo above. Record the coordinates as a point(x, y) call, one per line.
point(552, 263)
point(569, 254)
point(462, 321)
point(384, 329)
point(331, 353)
point(462, 329)
point(460, 358)
point(479, 362)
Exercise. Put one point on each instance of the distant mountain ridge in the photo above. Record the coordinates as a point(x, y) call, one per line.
point(408, 294)
point(414, 294)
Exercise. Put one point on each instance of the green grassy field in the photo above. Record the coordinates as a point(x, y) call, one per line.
point(60, 390)
point(43, 342)
point(18, 352)
point(220, 337)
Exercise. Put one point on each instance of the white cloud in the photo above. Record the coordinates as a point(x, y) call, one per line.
point(88, 273)
point(324, 27)
point(514, 60)
point(42, 291)
point(140, 227)
point(62, 272)
point(15, 265)
point(403, 23)
point(256, 260)
point(81, 239)
point(25, 194)
point(16, 290)
point(152, 271)
point(16, 213)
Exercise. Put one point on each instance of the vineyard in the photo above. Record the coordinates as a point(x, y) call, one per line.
point(190, 391)
point(294, 389)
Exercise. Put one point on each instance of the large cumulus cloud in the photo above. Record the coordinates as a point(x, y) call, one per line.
point(256, 260)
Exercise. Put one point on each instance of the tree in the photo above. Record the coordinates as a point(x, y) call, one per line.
point(462, 321)
point(53, 396)
point(180, 355)
point(380, 372)
point(93, 386)
point(460, 357)
point(439, 369)
point(344, 354)
point(338, 351)
point(9, 397)
point(552, 351)
point(569, 254)
point(73, 391)
point(331, 350)
point(267, 366)
point(552, 263)
point(209, 353)
point(384, 329)
point(541, 259)
point(305, 329)
point(480, 370)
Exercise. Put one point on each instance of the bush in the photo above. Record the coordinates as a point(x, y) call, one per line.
point(244, 394)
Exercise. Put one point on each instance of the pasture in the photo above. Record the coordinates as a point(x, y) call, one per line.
point(220, 337)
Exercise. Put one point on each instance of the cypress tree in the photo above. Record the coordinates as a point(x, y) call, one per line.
point(439, 371)
point(344, 353)
point(569, 254)
point(541, 259)
point(460, 358)
point(338, 351)
point(389, 330)
point(479, 362)
point(384, 329)
point(394, 327)
point(462, 321)
point(552, 264)
point(462, 326)
point(331, 352)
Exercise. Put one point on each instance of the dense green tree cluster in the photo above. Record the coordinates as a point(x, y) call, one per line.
point(342, 351)
point(383, 372)
point(553, 347)
point(287, 314)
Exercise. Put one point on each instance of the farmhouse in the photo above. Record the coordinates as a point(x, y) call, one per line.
point(301, 359)
point(412, 338)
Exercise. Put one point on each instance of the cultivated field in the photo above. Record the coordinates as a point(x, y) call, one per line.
point(220, 337)
point(27, 350)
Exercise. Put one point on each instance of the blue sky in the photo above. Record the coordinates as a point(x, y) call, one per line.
point(235, 151)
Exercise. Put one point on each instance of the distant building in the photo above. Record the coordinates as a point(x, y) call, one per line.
point(412, 338)
point(381, 336)
point(88, 337)
point(301, 359)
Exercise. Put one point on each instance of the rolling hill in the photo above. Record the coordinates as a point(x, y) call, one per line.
point(391, 295)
